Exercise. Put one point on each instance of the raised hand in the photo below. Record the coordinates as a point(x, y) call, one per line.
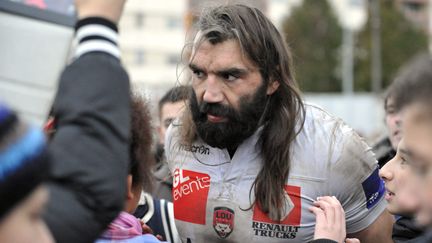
point(109, 9)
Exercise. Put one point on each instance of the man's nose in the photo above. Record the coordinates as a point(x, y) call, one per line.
point(213, 91)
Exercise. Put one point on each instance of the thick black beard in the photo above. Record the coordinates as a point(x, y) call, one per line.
point(241, 123)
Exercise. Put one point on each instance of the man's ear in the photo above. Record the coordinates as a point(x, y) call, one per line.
point(272, 87)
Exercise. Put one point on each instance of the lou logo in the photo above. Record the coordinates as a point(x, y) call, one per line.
point(223, 221)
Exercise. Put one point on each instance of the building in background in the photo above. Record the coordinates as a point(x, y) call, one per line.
point(194, 7)
point(276, 10)
point(151, 40)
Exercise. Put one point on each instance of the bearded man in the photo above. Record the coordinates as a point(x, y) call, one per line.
point(249, 154)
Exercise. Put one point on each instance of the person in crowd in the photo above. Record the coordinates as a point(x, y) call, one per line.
point(401, 173)
point(126, 227)
point(156, 209)
point(385, 149)
point(24, 168)
point(156, 214)
point(401, 201)
point(89, 151)
point(417, 127)
point(171, 105)
point(249, 157)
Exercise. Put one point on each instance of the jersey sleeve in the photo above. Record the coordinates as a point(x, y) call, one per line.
point(170, 141)
point(355, 181)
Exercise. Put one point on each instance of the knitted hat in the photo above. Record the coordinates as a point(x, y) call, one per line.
point(23, 160)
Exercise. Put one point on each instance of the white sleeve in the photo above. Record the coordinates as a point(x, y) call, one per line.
point(355, 181)
point(170, 136)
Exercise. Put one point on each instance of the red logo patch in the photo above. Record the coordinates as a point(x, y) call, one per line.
point(223, 221)
point(294, 216)
point(190, 192)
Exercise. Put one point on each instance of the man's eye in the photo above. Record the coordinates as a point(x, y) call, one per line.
point(198, 73)
point(229, 77)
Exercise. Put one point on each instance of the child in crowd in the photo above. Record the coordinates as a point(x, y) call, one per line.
point(126, 227)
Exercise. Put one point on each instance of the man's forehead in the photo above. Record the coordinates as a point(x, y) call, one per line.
point(206, 46)
point(221, 56)
point(171, 109)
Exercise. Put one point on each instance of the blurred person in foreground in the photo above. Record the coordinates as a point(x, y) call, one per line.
point(24, 167)
point(417, 127)
point(249, 157)
point(170, 107)
point(89, 152)
point(402, 173)
point(401, 201)
point(154, 215)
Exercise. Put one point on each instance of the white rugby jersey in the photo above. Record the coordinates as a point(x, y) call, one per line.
point(212, 193)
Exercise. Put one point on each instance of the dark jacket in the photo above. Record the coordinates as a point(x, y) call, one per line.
point(89, 151)
point(406, 230)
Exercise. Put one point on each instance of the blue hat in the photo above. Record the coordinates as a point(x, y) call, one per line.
point(23, 159)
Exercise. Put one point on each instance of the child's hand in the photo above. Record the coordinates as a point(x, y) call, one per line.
point(330, 219)
point(147, 230)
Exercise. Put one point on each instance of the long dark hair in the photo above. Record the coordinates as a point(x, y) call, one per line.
point(262, 44)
